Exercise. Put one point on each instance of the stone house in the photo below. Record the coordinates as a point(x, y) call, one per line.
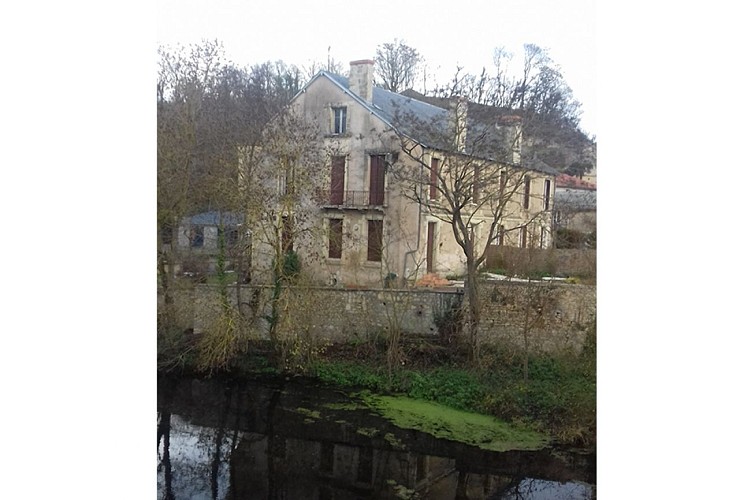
point(575, 204)
point(370, 231)
point(198, 240)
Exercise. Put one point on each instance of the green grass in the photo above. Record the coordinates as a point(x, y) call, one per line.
point(559, 398)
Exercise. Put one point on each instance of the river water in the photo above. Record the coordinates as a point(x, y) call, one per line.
point(293, 439)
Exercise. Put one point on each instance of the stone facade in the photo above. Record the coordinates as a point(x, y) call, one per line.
point(366, 205)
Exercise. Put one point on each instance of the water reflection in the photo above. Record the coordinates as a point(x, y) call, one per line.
point(218, 441)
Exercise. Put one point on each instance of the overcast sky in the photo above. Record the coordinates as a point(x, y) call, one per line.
point(445, 33)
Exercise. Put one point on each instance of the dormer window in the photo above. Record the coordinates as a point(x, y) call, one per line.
point(340, 120)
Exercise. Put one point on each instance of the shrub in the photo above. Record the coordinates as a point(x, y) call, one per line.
point(291, 266)
point(523, 262)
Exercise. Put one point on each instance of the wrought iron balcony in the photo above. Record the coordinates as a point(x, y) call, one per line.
point(353, 199)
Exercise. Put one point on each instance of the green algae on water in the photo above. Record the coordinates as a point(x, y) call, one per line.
point(394, 441)
point(345, 406)
point(367, 431)
point(309, 413)
point(483, 431)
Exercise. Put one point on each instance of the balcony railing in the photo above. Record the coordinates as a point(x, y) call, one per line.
point(354, 199)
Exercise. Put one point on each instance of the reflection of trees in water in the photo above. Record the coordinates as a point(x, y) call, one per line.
point(539, 489)
point(193, 459)
point(162, 433)
point(252, 443)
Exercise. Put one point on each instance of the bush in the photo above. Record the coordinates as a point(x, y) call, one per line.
point(523, 262)
point(455, 388)
point(291, 266)
point(571, 238)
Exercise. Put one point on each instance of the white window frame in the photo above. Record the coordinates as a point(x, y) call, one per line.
point(339, 115)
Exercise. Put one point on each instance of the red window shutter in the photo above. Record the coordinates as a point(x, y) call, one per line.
point(433, 178)
point(431, 246)
point(377, 179)
point(335, 238)
point(375, 240)
point(527, 183)
point(337, 180)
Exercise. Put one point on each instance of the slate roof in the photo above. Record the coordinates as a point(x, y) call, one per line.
point(389, 106)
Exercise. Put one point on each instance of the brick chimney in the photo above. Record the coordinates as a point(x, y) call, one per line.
point(361, 79)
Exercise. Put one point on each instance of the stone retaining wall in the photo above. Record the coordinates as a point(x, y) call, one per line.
point(553, 317)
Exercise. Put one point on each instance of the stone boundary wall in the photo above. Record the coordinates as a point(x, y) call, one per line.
point(333, 313)
point(556, 315)
point(553, 317)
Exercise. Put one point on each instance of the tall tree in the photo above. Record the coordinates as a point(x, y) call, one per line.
point(397, 65)
point(207, 110)
point(475, 180)
point(535, 89)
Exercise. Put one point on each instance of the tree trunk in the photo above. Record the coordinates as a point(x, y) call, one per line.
point(168, 315)
point(473, 317)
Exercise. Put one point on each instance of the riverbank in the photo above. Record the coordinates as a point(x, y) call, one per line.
point(557, 397)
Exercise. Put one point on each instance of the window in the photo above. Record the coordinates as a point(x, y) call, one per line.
point(166, 234)
point(365, 465)
point(504, 180)
point(375, 240)
point(543, 238)
point(434, 165)
point(336, 195)
point(476, 185)
point(377, 179)
point(527, 182)
point(327, 457)
point(422, 468)
point(231, 237)
point(523, 237)
point(499, 233)
point(546, 195)
point(431, 247)
point(196, 236)
point(287, 240)
point(340, 120)
point(335, 238)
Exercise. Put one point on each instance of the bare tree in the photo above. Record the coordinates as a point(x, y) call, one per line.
point(398, 65)
point(209, 113)
point(186, 77)
point(278, 184)
point(474, 179)
point(538, 93)
point(331, 65)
